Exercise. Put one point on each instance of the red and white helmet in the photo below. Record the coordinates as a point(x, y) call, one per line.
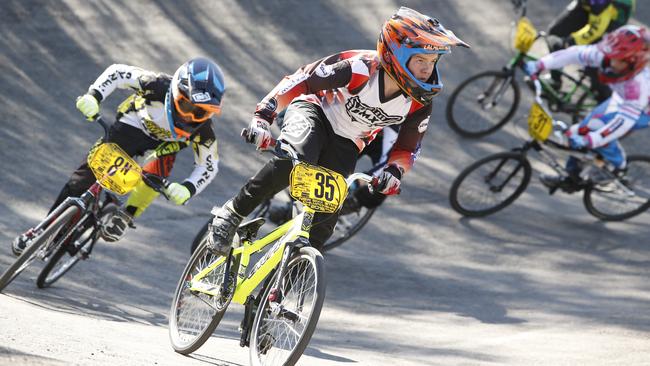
point(629, 43)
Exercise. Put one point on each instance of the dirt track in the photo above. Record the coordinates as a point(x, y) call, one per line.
point(541, 283)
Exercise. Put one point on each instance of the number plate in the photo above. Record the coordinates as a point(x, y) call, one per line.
point(113, 168)
point(525, 35)
point(318, 188)
point(540, 123)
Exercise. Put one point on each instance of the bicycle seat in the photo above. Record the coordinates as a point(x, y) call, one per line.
point(249, 229)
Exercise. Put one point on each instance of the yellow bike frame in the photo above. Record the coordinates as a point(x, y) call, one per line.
point(291, 230)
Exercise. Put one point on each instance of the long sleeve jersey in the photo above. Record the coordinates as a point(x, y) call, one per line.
point(630, 98)
point(602, 17)
point(349, 87)
point(145, 110)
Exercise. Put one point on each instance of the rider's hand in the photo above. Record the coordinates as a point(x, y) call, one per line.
point(178, 193)
point(578, 142)
point(88, 106)
point(258, 133)
point(389, 180)
point(533, 67)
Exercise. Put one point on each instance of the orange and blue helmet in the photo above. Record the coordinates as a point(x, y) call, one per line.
point(194, 96)
point(408, 33)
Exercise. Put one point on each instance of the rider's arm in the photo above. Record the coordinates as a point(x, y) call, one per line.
point(325, 74)
point(206, 160)
point(118, 76)
point(411, 132)
point(595, 28)
point(626, 113)
point(579, 55)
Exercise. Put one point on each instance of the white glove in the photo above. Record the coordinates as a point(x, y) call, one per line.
point(389, 180)
point(88, 106)
point(178, 193)
point(258, 133)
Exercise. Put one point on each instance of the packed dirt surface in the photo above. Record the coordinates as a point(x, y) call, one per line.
point(540, 283)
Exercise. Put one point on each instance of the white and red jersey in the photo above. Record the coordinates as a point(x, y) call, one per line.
point(145, 110)
point(349, 87)
point(630, 98)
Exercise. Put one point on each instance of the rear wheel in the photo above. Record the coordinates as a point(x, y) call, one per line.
point(46, 241)
point(347, 226)
point(490, 184)
point(286, 319)
point(66, 256)
point(622, 199)
point(483, 103)
point(195, 315)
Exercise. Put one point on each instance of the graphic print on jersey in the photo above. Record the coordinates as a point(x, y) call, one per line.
point(369, 116)
point(296, 128)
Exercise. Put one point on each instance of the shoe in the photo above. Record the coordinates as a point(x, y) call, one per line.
point(21, 242)
point(114, 230)
point(222, 229)
point(350, 205)
point(567, 184)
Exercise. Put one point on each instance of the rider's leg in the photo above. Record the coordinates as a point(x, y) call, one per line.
point(139, 199)
point(304, 130)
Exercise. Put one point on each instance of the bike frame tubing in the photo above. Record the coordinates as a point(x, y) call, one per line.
point(292, 230)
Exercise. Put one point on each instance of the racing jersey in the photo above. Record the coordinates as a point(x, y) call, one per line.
point(630, 98)
point(349, 88)
point(603, 17)
point(145, 110)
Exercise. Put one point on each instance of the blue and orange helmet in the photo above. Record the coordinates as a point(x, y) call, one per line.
point(194, 96)
point(408, 33)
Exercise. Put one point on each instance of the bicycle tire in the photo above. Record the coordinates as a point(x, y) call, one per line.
point(44, 239)
point(62, 261)
point(261, 335)
point(351, 231)
point(520, 160)
point(183, 340)
point(456, 123)
point(593, 194)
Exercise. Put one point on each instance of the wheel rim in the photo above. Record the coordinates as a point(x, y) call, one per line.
point(486, 187)
point(609, 199)
point(482, 106)
point(281, 326)
point(194, 311)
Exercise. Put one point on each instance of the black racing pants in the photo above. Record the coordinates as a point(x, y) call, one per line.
point(572, 19)
point(131, 139)
point(309, 132)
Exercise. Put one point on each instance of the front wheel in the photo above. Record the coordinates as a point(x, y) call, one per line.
point(194, 315)
point(45, 241)
point(490, 184)
point(286, 319)
point(483, 103)
point(66, 256)
point(622, 199)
